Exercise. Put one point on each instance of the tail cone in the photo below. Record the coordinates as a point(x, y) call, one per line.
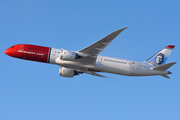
point(168, 72)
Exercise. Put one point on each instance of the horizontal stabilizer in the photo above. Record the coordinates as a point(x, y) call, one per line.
point(163, 67)
point(166, 76)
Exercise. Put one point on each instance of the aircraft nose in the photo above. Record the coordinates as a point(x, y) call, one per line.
point(6, 52)
point(9, 51)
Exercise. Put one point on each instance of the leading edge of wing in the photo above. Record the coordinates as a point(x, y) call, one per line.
point(98, 46)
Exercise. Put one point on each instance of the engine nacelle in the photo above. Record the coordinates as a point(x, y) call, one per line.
point(68, 55)
point(67, 72)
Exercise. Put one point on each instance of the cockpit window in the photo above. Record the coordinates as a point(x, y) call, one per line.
point(12, 46)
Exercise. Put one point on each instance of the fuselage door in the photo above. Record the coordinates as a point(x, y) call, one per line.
point(138, 65)
point(132, 67)
point(54, 52)
point(100, 59)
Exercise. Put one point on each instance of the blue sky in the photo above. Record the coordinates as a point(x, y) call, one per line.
point(32, 91)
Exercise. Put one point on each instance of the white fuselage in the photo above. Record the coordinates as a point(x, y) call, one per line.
point(107, 64)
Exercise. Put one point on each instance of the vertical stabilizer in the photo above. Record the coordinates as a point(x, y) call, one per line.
point(161, 57)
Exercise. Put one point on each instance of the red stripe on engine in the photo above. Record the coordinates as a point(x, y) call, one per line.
point(170, 46)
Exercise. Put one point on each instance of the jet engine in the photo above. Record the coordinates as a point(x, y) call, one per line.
point(67, 72)
point(68, 55)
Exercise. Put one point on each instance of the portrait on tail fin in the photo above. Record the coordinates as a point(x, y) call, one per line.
point(159, 58)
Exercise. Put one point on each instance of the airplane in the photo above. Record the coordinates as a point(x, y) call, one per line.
point(88, 61)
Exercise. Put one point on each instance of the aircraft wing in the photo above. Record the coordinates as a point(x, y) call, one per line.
point(95, 74)
point(94, 49)
point(89, 72)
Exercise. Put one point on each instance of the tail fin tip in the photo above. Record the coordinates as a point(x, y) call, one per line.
point(170, 46)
